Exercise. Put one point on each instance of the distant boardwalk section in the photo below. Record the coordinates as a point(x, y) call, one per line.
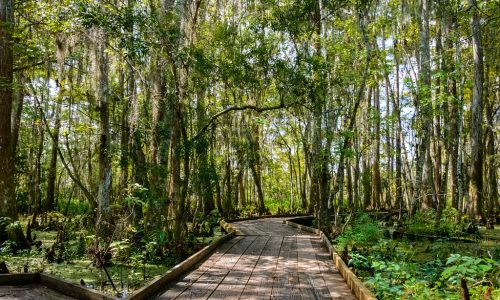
point(30, 292)
point(265, 260)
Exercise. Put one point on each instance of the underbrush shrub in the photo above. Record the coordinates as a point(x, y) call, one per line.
point(450, 225)
point(363, 232)
point(207, 224)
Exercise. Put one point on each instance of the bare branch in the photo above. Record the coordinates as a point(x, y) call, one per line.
point(236, 108)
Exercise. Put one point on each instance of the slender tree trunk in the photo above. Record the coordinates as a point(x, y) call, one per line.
point(228, 187)
point(204, 180)
point(448, 66)
point(424, 104)
point(350, 189)
point(389, 124)
point(376, 180)
point(397, 133)
point(51, 178)
point(440, 196)
point(38, 169)
point(18, 111)
point(124, 136)
point(52, 174)
point(366, 176)
point(301, 177)
point(476, 134)
point(175, 182)
point(357, 175)
point(102, 96)
point(492, 164)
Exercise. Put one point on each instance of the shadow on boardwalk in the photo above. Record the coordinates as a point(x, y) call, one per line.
point(266, 260)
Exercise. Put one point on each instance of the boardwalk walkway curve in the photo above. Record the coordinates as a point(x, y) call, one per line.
point(265, 260)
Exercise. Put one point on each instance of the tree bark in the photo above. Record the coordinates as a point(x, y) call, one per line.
point(376, 180)
point(52, 174)
point(102, 96)
point(476, 132)
point(452, 108)
point(8, 205)
point(397, 133)
point(492, 167)
point(424, 107)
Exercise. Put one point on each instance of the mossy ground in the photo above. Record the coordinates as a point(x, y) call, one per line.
point(127, 277)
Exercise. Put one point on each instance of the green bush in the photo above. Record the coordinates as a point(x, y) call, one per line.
point(471, 268)
point(424, 223)
point(363, 232)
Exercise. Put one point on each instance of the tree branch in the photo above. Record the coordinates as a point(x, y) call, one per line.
point(236, 108)
point(36, 64)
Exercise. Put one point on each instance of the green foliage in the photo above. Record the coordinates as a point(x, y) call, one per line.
point(358, 262)
point(8, 247)
point(450, 225)
point(121, 250)
point(209, 222)
point(471, 268)
point(387, 287)
point(250, 209)
point(363, 232)
point(73, 207)
point(394, 272)
point(4, 222)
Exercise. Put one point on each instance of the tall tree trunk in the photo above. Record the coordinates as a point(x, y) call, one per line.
point(476, 134)
point(8, 205)
point(492, 164)
point(228, 187)
point(448, 65)
point(159, 151)
point(17, 114)
point(439, 183)
point(256, 167)
point(124, 135)
point(38, 169)
point(424, 104)
point(204, 174)
point(376, 180)
point(397, 133)
point(389, 124)
point(366, 176)
point(52, 174)
point(102, 96)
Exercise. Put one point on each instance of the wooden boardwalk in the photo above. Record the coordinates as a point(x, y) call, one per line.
point(266, 260)
point(30, 292)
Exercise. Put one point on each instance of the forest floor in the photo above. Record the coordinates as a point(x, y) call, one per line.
point(78, 268)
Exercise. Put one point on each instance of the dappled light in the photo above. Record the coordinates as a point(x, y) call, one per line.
point(252, 149)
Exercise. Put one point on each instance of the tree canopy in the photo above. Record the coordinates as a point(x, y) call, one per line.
point(160, 112)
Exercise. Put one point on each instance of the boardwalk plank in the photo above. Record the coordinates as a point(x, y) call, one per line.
point(260, 283)
point(208, 282)
point(286, 283)
point(181, 285)
point(336, 285)
point(312, 283)
point(30, 292)
point(234, 283)
point(268, 260)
